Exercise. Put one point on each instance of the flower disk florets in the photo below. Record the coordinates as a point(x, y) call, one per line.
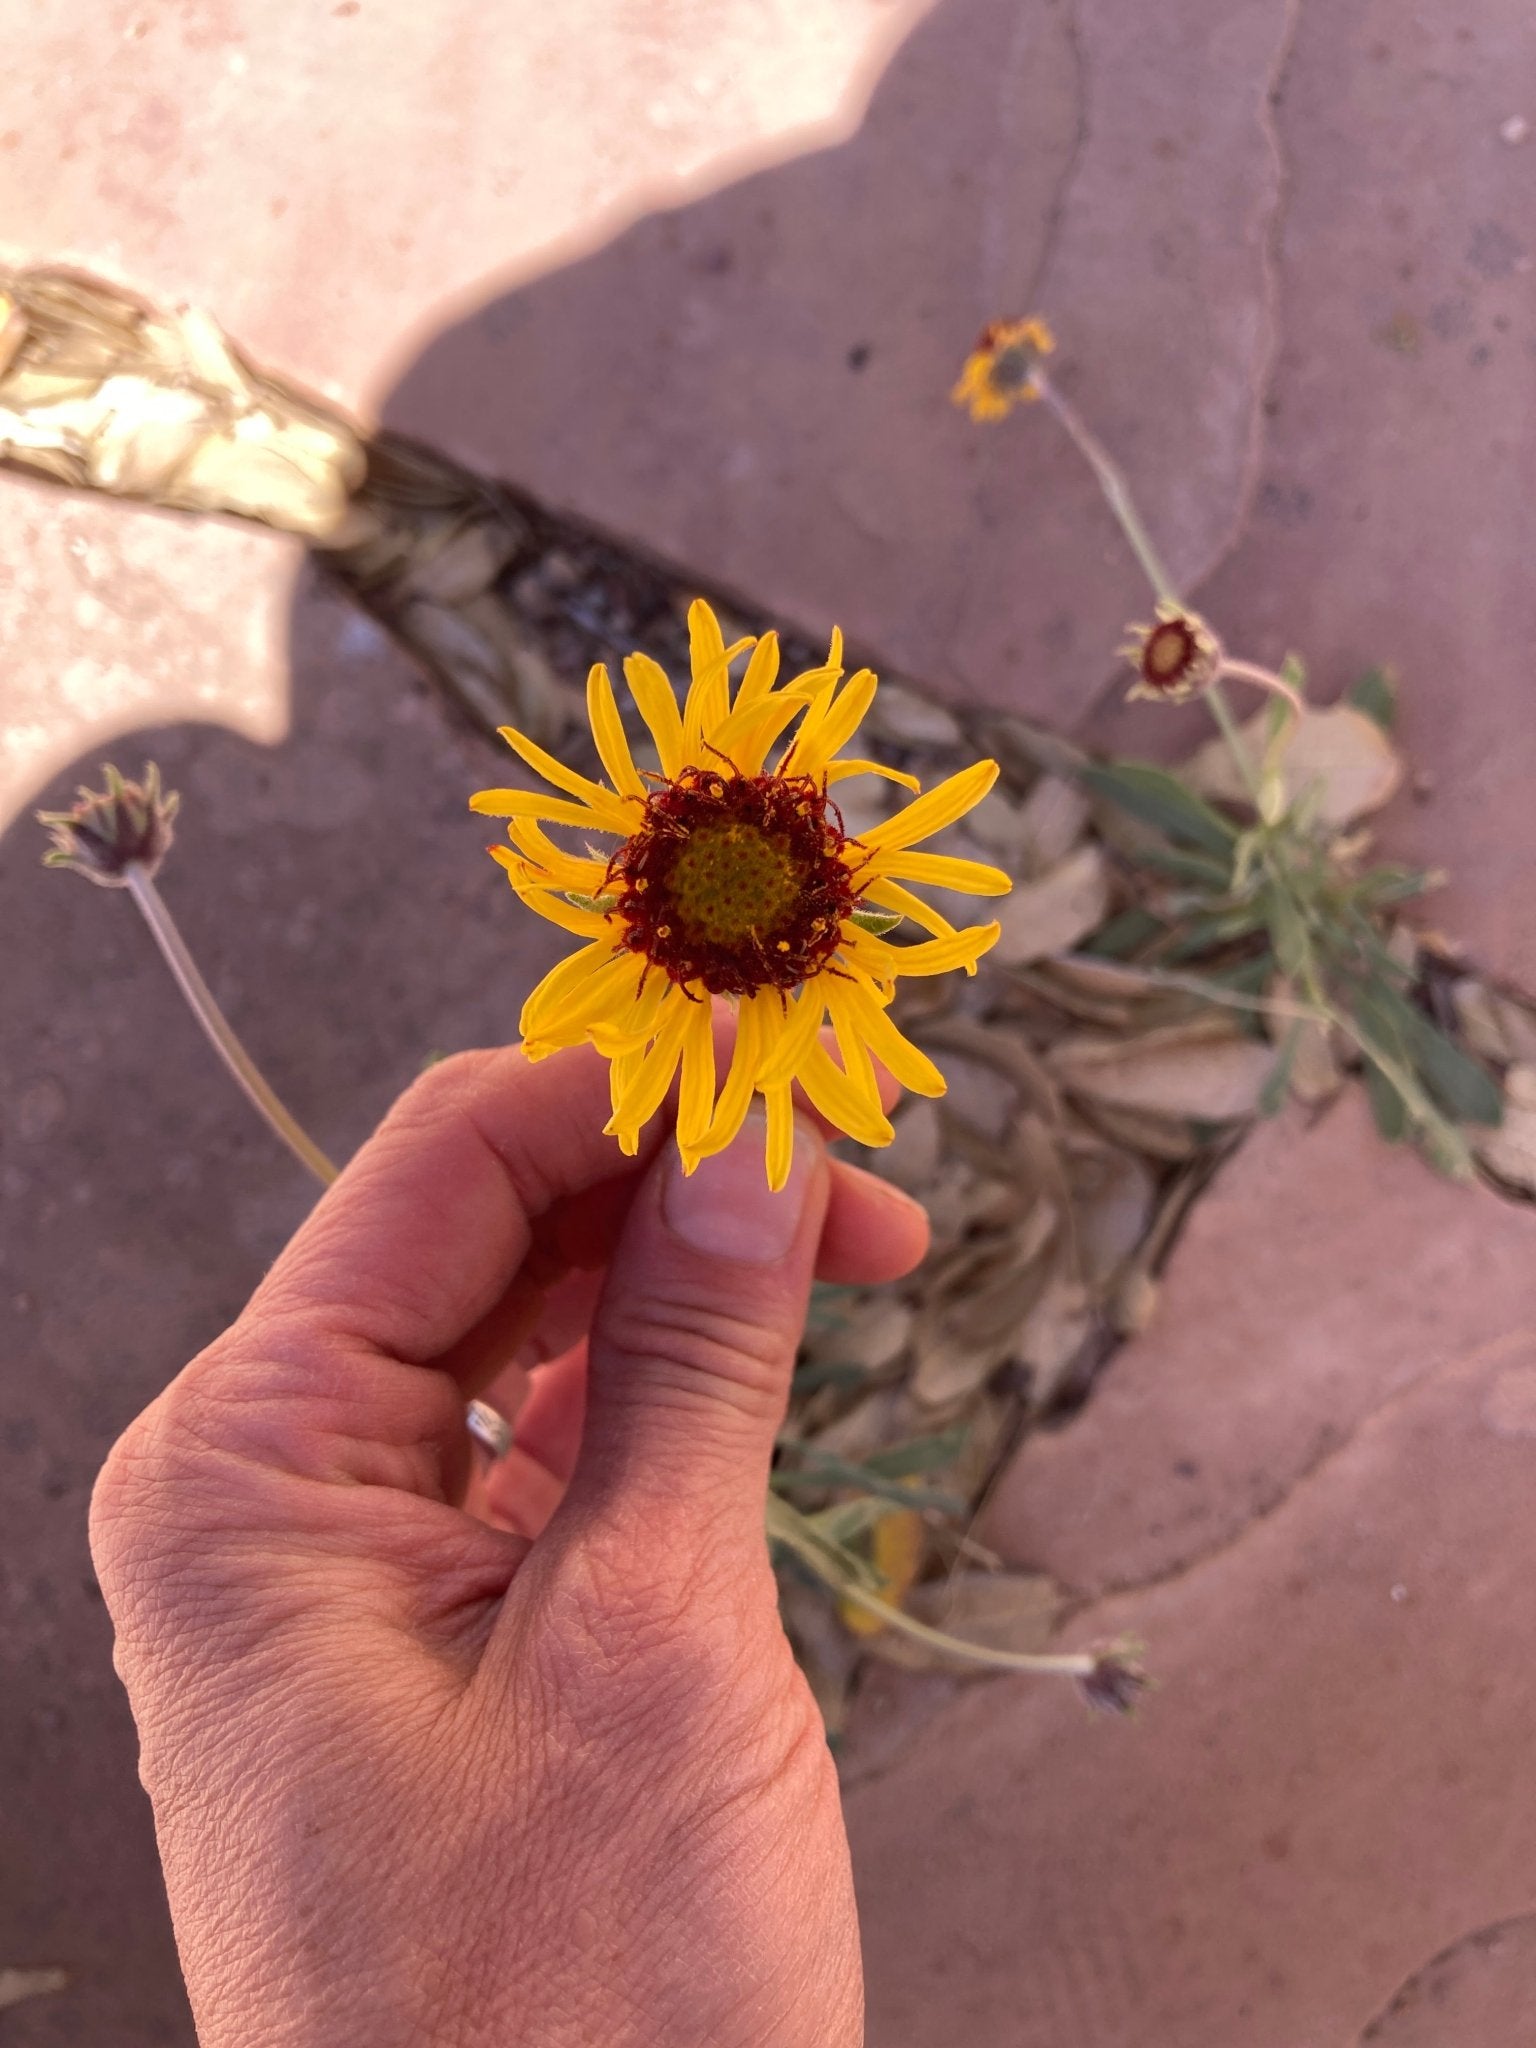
point(734, 882)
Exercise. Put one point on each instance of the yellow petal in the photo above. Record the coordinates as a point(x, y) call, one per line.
point(741, 1082)
point(797, 1032)
point(696, 1096)
point(748, 734)
point(933, 956)
point(652, 1077)
point(608, 733)
point(850, 1044)
point(762, 670)
point(586, 924)
point(631, 1031)
point(892, 896)
point(620, 810)
point(780, 1148)
point(931, 813)
point(789, 763)
point(839, 771)
point(532, 803)
point(895, 1052)
point(561, 981)
point(940, 871)
point(656, 701)
point(709, 698)
point(837, 725)
point(846, 1103)
point(601, 993)
point(557, 869)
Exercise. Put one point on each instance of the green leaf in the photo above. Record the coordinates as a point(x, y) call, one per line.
point(1181, 865)
point(1287, 932)
point(818, 1470)
point(1376, 695)
point(1387, 1106)
point(1394, 884)
point(877, 921)
point(919, 1454)
point(1454, 1081)
point(1277, 1087)
point(1162, 801)
point(1124, 934)
point(598, 905)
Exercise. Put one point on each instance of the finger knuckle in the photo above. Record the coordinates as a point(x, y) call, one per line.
point(686, 1340)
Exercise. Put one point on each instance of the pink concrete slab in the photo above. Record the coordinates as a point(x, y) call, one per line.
point(112, 618)
point(324, 174)
point(1392, 515)
point(757, 383)
point(336, 892)
point(1331, 1788)
point(1323, 1274)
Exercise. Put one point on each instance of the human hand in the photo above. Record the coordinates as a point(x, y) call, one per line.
point(416, 1777)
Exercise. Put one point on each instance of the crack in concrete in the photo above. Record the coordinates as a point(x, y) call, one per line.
point(1082, 1606)
point(1413, 1989)
point(1332, 1443)
point(999, 303)
point(1267, 231)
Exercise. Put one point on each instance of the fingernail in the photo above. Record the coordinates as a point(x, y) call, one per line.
point(725, 1207)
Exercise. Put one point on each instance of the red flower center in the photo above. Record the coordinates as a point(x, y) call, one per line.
point(1168, 655)
point(735, 882)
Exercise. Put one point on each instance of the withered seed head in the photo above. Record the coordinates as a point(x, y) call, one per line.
point(1177, 656)
point(1115, 1680)
point(107, 832)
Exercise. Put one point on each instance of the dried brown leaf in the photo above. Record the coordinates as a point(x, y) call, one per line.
point(1509, 1152)
point(19, 1985)
point(1052, 819)
point(1175, 1073)
point(1337, 747)
point(1496, 1026)
point(1055, 913)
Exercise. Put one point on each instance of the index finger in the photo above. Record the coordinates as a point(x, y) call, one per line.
point(424, 1230)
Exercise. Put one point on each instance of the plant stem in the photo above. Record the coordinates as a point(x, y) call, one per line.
point(1221, 711)
point(1262, 678)
point(201, 1002)
point(1067, 1665)
point(1117, 492)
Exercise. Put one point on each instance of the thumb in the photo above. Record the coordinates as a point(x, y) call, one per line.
point(694, 1337)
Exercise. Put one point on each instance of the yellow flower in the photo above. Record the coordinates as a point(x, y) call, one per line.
point(999, 371)
point(1176, 658)
point(730, 877)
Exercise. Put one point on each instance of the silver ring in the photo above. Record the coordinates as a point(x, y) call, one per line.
point(490, 1430)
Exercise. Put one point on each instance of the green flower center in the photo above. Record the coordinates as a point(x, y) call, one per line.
point(731, 880)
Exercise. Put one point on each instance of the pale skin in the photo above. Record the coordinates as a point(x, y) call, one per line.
point(445, 1758)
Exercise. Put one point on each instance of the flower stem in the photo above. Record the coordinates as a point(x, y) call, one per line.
point(1221, 711)
point(1263, 679)
point(200, 1000)
point(1117, 492)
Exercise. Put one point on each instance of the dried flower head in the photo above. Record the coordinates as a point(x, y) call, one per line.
point(1178, 656)
point(107, 832)
point(733, 877)
point(1116, 1680)
point(1000, 371)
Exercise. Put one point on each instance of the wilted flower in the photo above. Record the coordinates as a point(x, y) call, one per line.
point(731, 877)
point(107, 832)
point(1115, 1681)
point(999, 371)
point(1176, 657)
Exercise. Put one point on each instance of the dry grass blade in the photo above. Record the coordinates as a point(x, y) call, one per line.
point(99, 392)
